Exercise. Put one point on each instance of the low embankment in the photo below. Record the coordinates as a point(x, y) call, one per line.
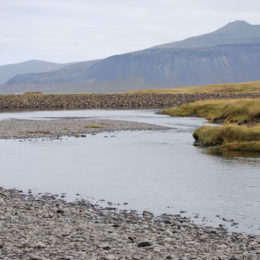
point(241, 117)
point(38, 101)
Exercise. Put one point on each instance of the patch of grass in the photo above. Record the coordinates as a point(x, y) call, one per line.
point(105, 123)
point(33, 93)
point(230, 137)
point(233, 88)
point(239, 111)
point(242, 147)
point(92, 126)
point(38, 132)
point(241, 117)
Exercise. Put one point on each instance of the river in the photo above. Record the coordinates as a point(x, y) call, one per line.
point(159, 171)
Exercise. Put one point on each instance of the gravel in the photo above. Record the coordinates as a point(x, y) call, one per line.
point(47, 227)
point(66, 127)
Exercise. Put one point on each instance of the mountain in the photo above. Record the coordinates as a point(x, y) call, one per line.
point(230, 54)
point(239, 32)
point(9, 71)
point(68, 73)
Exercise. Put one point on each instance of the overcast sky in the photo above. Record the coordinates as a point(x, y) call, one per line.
point(75, 30)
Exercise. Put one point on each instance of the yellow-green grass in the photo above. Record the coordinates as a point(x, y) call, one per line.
point(239, 111)
point(231, 88)
point(92, 126)
point(229, 138)
point(241, 117)
point(38, 132)
point(33, 93)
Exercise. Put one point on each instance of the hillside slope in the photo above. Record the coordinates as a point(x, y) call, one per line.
point(33, 66)
point(230, 54)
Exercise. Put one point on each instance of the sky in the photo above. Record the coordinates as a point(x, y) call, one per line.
point(79, 30)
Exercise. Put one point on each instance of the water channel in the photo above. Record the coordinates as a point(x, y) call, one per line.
point(159, 171)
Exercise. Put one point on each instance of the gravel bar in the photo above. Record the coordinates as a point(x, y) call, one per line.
point(48, 227)
point(21, 129)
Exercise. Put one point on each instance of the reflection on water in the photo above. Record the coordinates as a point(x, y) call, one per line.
point(233, 155)
point(159, 171)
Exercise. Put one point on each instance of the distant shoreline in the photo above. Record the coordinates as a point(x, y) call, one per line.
point(39, 102)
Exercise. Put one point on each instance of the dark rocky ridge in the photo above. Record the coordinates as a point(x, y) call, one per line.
point(104, 101)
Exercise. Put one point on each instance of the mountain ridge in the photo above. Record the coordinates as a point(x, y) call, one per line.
point(225, 35)
point(10, 70)
point(229, 54)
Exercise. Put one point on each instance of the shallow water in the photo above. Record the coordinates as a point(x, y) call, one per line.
point(160, 171)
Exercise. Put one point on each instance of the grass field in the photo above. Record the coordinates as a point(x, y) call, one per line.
point(233, 88)
point(239, 111)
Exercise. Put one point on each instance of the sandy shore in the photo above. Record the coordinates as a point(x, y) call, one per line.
point(66, 127)
point(47, 227)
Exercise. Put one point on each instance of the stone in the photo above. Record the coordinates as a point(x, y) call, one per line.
point(144, 244)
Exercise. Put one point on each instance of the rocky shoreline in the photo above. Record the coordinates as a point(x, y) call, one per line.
point(48, 227)
point(103, 101)
point(23, 129)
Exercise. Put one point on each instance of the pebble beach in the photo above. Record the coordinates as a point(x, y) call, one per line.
point(48, 227)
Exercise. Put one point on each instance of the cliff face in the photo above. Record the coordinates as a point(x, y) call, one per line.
point(230, 54)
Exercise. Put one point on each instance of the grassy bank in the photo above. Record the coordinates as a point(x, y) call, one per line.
point(239, 111)
point(229, 138)
point(232, 88)
point(241, 119)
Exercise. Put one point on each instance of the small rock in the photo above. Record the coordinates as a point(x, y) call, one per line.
point(105, 246)
point(144, 244)
point(41, 245)
point(60, 211)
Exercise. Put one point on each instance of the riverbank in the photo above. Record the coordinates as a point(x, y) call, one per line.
point(48, 227)
point(226, 88)
point(241, 119)
point(21, 129)
point(38, 101)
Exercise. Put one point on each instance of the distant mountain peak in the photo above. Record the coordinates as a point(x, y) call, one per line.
point(235, 26)
point(239, 23)
point(237, 32)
